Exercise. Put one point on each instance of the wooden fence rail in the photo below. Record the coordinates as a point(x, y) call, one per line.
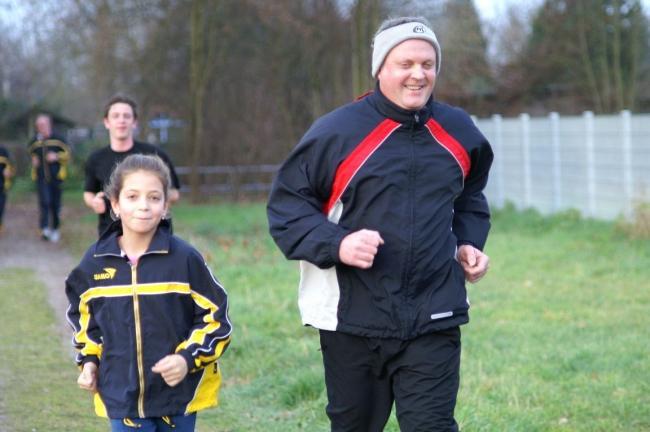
point(234, 180)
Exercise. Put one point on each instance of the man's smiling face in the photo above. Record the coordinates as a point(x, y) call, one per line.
point(408, 74)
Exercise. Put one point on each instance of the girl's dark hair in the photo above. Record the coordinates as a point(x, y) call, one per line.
point(133, 163)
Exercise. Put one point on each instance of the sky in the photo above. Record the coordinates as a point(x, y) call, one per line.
point(491, 9)
point(494, 9)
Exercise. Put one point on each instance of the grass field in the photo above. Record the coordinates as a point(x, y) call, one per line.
point(558, 339)
point(36, 372)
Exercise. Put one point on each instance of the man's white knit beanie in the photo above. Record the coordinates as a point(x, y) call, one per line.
point(389, 38)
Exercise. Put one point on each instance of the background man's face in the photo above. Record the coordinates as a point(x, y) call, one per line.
point(408, 74)
point(120, 121)
point(43, 126)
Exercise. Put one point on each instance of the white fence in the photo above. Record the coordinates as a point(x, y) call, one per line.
point(599, 165)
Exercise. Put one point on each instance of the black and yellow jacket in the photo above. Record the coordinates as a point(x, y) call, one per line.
point(126, 318)
point(48, 171)
point(5, 166)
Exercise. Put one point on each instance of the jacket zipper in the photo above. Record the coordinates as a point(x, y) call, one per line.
point(138, 339)
point(46, 168)
point(411, 200)
point(411, 203)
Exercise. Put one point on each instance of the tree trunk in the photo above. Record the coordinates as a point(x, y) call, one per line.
point(203, 59)
point(364, 21)
point(585, 56)
point(619, 93)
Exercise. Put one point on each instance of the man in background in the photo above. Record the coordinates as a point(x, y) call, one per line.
point(50, 155)
point(121, 120)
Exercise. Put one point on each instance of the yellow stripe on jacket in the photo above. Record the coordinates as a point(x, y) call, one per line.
point(91, 347)
point(7, 166)
point(64, 155)
point(199, 335)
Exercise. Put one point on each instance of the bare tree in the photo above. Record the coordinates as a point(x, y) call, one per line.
point(583, 55)
point(205, 54)
point(466, 77)
point(366, 16)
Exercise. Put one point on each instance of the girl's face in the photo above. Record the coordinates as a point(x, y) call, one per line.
point(141, 203)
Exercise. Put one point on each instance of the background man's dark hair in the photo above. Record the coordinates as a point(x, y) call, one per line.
point(119, 98)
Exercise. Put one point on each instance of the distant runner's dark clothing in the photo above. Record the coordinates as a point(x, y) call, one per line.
point(49, 177)
point(100, 165)
point(5, 164)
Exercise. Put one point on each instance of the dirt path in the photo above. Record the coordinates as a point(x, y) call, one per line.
point(22, 247)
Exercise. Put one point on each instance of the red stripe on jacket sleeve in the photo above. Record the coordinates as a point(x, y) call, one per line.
point(451, 144)
point(351, 165)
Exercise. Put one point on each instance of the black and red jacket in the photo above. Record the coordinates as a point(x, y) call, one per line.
point(416, 177)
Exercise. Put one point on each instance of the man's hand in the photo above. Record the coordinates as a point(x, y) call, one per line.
point(98, 204)
point(359, 248)
point(35, 161)
point(474, 262)
point(173, 369)
point(52, 157)
point(88, 378)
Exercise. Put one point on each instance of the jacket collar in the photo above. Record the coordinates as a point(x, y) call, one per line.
point(409, 118)
point(108, 244)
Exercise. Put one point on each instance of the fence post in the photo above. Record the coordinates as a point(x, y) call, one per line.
point(626, 139)
point(234, 178)
point(525, 149)
point(591, 168)
point(498, 152)
point(557, 161)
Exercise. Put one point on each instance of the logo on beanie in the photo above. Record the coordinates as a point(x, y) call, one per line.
point(419, 29)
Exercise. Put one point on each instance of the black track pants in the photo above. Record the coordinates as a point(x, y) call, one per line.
point(365, 375)
point(3, 198)
point(49, 203)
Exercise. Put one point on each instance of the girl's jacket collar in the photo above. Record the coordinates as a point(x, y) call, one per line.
point(108, 244)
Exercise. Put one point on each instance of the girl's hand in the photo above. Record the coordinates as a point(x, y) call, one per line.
point(173, 369)
point(88, 378)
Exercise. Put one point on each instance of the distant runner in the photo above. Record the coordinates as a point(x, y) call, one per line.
point(121, 120)
point(50, 155)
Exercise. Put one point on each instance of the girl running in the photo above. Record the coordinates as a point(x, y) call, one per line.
point(149, 318)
